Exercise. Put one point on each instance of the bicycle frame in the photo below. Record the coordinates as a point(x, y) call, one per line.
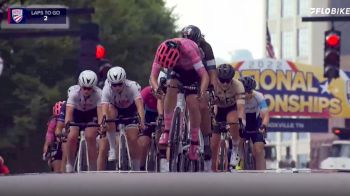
point(82, 148)
point(123, 142)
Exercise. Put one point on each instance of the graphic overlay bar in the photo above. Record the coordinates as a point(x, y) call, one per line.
point(18, 16)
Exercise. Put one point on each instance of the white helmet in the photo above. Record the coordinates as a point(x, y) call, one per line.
point(116, 75)
point(87, 78)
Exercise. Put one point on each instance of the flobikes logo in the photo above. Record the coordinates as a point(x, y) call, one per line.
point(298, 90)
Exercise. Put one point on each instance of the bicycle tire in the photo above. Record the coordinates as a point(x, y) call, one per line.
point(85, 165)
point(174, 141)
point(124, 158)
point(222, 159)
point(152, 158)
point(248, 157)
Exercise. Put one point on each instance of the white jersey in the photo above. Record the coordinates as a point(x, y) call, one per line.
point(130, 92)
point(82, 103)
point(256, 104)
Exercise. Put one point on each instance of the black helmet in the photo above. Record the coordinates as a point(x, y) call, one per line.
point(249, 83)
point(225, 72)
point(191, 32)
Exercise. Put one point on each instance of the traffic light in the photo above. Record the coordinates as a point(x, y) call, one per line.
point(342, 133)
point(332, 54)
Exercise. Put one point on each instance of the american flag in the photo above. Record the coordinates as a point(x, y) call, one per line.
point(269, 48)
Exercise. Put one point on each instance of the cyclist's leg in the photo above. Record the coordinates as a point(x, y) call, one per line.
point(132, 133)
point(195, 119)
point(90, 136)
point(90, 116)
point(144, 139)
point(232, 117)
point(111, 134)
point(259, 151)
point(206, 130)
point(72, 141)
point(169, 106)
point(64, 157)
point(215, 143)
point(103, 147)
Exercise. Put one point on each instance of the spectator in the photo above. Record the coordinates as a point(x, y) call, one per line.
point(4, 170)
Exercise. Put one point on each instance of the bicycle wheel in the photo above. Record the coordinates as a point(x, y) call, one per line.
point(248, 156)
point(152, 157)
point(222, 156)
point(124, 157)
point(174, 141)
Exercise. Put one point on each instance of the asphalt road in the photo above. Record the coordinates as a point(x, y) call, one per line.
point(240, 183)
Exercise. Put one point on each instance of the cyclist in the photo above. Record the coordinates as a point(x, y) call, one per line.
point(230, 108)
point(194, 33)
point(124, 96)
point(256, 110)
point(151, 114)
point(52, 150)
point(182, 57)
point(83, 106)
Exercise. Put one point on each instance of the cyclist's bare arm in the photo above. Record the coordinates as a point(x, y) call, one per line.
point(99, 113)
point(213, 77)
point(59, 127)
point(140, 109)
point(204, 82)
point(265, 117)
point(104, 111)
point(69, 113)
point(240, 105)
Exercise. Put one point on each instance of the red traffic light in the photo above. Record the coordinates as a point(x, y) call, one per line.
point(100, 52)
point(333, 40)
point(337, 131)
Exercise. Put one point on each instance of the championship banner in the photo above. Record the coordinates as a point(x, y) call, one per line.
point(293, 89)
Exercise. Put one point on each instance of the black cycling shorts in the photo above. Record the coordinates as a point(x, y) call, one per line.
point(57, 152)
point(128, 112)
point(222, 114)
point(85, 116)
point(187, 78)
point(149, 117)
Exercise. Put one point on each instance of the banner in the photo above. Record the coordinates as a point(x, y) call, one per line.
point(316, 125)
point(297, 89)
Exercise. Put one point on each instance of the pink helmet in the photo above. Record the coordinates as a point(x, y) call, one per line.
point(57, 108)
point(168, 54)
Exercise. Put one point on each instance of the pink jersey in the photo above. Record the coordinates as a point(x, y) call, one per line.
point(149, 100)
point(51, 126)
point(190, 58)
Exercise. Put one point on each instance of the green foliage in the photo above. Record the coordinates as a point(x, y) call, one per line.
point(37, 72)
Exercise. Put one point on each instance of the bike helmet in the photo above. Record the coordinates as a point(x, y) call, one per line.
point(116, 75)
point(168, 54)
point(226, 72)
point(191, 32)
point(57, 108)
point(249, 83)
point(87, 78)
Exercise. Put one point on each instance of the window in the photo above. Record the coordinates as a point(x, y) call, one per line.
point(286, 136)
point(303, 43)
point(303, 7)
point(271, 136)
point(303, 136)
point(303, 160)
point(287, 8)
point(287, 45)
point(272, 9)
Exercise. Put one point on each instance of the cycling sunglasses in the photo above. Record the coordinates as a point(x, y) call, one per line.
point(224, 80)
point(87, 88)
point(117, 84)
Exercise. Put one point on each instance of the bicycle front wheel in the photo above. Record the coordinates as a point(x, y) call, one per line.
point(175, 141)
